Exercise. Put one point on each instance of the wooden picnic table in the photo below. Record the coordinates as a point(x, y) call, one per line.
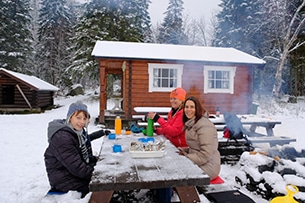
point(253, 121)
point(219, 122)
point(119, 171)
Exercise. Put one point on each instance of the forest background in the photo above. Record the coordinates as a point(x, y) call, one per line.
point(53, 39)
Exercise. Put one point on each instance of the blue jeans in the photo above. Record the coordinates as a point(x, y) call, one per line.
point(164, 195)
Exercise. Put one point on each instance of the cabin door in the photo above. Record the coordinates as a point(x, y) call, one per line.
point(8, 94)
point(115, 92)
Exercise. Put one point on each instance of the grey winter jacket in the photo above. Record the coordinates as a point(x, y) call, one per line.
point(65, 166)
point(202, 140)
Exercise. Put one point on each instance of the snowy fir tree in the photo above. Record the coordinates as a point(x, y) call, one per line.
point(171, 30)
point(113, 20)
point(54, 39)
point(238, 25)
point(54, 35)
point(35, 68)
point(16, 38)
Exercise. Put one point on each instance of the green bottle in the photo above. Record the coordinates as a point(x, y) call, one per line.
point(150, 127)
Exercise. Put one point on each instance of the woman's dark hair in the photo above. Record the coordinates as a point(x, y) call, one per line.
point(198, 109)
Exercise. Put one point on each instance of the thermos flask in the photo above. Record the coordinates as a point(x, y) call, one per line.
point(150, 127)
point(118, 125)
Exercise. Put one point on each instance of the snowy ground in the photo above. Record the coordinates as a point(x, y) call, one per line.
point(22, 173)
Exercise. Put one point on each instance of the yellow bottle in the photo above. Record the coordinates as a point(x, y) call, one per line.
point(118, 125)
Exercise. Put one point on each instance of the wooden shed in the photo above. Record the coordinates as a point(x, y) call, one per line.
point(20, 92)
point(221, 77)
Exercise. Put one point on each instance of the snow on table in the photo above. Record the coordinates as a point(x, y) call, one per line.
point(119, 171)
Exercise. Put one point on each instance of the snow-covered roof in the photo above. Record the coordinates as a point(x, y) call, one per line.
point(31, 80)
point(134, 50)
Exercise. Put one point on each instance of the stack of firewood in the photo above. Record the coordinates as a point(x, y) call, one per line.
point(268, 175)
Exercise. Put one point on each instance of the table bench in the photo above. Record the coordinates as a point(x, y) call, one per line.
point(253, 122)
point(250, 121)
point(141, 113)
point(119, 171)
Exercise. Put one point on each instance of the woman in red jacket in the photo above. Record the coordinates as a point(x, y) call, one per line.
point(172, 128)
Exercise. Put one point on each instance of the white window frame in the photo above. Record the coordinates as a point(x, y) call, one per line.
point(231, 70)
point(152, 66)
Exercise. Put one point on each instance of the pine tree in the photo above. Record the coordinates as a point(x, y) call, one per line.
point(16, 38)
point(171, 30)
point(238, 25)
point(267, 29)
point(54, 35)
point(113, 20)
point(141, 19)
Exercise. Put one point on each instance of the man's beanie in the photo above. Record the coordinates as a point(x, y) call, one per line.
point(178, 93)
point(77, 106)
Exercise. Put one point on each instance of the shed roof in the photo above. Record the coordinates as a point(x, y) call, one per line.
point(33, 81)
point(135, 50)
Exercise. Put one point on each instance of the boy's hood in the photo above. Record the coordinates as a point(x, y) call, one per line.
point(54, 126)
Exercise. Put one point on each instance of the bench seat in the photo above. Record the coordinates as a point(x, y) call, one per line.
point(144, 124)
point(272, 140)
point(141, 117)
point(141, 113)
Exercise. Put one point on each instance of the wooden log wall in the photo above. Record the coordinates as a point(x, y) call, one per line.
point(139, 92)
point(37, 99)
point(136, 83)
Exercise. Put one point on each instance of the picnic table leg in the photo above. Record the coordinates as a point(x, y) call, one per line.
point(101, 197)
point(269, 129)
point(253, 128)
point(188, 194)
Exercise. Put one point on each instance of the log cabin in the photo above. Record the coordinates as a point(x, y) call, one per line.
point(222, 78)
point(20, 92)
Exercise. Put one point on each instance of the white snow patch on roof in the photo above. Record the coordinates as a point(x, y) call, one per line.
point(32, 80)
point(134, 50)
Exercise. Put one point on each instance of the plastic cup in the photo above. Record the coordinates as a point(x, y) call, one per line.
point(116, 148)
point(150, 139)
point(111, 136)
point(146, 140)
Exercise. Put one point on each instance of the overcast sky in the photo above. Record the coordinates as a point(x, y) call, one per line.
point(194, 8)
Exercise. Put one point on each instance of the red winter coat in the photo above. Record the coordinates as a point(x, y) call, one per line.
point(172, 129)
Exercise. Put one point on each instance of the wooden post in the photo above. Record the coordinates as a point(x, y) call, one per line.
point(24, 97)
point(101, 197)
point(188, 194)
point(103, 96)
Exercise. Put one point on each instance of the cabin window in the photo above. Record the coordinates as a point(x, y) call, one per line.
point(164, 77)
point(219, 79)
